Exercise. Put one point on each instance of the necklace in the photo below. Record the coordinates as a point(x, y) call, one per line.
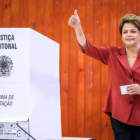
point(131, 56)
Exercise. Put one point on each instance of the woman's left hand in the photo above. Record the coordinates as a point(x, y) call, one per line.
point(133, 89)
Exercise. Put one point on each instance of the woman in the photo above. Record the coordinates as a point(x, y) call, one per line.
point(123, 98)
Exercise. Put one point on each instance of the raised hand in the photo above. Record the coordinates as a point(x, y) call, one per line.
point(74, 20)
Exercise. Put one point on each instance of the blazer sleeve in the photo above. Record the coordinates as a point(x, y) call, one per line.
point(99, 53)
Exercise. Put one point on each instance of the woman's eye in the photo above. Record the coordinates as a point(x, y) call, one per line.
point(124, 32)
point(133, 31)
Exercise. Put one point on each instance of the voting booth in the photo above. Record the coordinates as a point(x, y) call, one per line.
point(29, 83)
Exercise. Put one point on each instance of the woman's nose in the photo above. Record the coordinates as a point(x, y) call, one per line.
point(129, 34)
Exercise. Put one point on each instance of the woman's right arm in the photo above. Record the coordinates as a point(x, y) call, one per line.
point(74, 21)
point(99, 53)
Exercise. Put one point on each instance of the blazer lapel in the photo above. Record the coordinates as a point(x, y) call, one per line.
point(123, 59)
point(137, 62)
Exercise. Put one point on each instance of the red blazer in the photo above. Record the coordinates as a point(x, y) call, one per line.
point(125, 108)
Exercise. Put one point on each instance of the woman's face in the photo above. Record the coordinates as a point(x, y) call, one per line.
point(130, 35)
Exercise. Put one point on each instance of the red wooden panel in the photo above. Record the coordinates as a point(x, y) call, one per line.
point(135, 7)
point(113, 41)
point(89, 72)
point(32, 16)
point(138, 7)
point(120, 13)
point(96, 72)
point(129, 7)
point(6, 17)
point(48, 27)
point(57, 21)
point(113, 23)
point(72, 76)
point(23, 12)
point(15, 13)
point(40, 16)
point(64, 71)
point(104, 68)
point(1, 13)
point(80, 78)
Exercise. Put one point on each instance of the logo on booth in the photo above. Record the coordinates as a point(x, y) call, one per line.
point(6, 66)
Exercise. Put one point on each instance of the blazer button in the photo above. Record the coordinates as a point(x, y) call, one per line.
point(83, 51)
point(131, 76)
point(131, 102)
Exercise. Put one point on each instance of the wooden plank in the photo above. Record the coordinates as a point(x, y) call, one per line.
point(49, 13)
point(128, 6)
point(32, 14)
point(1, 13)
point(138, 7)
point(23, 12)
point(104, 68)
point(6, 17)
point(120, 13)
point(57, 21)
point(113, 41)
point(89, 72)
point(97, 17)
point(15, 13)
point(113, 23)
point(72, 76)
point(135, 7)
point(64, 71)
point(80, 78)
point(40, 16)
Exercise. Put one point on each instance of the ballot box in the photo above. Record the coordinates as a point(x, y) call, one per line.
point(29, 81)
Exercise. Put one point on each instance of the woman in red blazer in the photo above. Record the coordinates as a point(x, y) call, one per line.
point(123, 98)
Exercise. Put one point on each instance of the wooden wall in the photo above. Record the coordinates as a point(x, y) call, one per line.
point(84, 81)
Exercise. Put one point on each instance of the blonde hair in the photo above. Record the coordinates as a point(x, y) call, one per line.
point(129, 18)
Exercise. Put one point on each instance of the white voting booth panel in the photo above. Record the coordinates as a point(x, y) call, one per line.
point(29, 81)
